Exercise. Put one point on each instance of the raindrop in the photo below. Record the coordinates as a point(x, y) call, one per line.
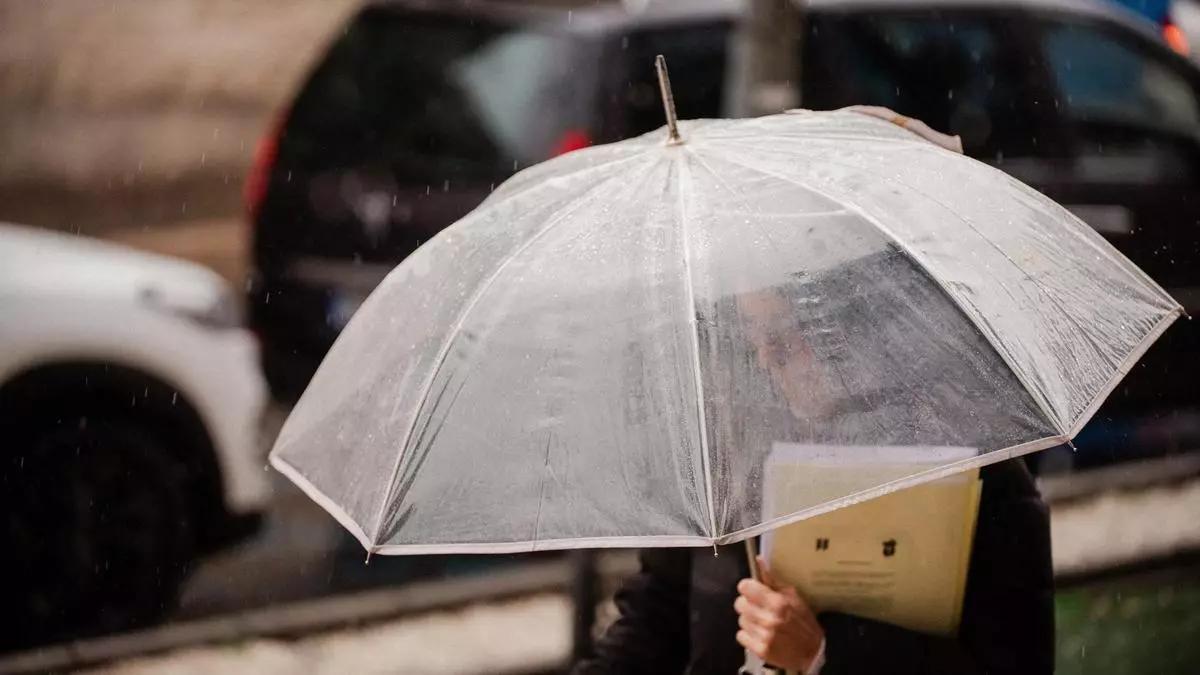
point(426, 189)
point(267, 301)
point(183, 207)
point(446, 185)
point(174, 397)
point(289, 176)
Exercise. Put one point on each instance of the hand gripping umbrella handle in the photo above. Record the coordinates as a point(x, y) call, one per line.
point(754, 665)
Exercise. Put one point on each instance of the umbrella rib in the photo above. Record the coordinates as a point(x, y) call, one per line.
point(706, 463)
point(558, 217)
point(1087, 337)
point(1084, 232)
point(1033, 392)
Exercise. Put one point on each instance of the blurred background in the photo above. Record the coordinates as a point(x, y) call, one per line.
point(196, 195)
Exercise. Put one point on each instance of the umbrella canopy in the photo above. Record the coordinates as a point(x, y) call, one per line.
point(607, 350)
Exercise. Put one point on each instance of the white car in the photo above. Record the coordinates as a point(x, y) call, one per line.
point(130, 404)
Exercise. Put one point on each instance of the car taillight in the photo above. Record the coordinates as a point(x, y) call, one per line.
point(1175, 38)
point(572, 139)
point(259, 176)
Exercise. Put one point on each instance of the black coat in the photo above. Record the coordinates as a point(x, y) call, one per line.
point(676, 613)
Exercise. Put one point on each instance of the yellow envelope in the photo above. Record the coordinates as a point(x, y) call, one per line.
point(901, 558)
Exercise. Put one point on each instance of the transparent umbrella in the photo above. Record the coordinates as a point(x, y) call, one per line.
point(606, 351)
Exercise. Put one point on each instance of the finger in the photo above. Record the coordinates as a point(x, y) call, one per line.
point(756, 592)
point(754, 628)
point(779, 587)
point(765, 573)
point(797, 601)
point(758, 647)
point(759, 615)
point(760, 596)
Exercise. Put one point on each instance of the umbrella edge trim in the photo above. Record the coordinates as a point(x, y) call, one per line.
point(314, 493)
point(657, 541)
point(978, 461)
point(1119, 374)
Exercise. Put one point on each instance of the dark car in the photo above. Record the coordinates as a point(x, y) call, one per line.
point(419, 109)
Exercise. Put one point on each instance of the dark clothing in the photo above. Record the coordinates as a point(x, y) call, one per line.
point(677, 612)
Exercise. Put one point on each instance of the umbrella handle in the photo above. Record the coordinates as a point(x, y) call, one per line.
point(754, 664)
point(752, 558)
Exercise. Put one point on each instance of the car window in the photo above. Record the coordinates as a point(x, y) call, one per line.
point(411, 91)
point(1103, 76)
point(962, 74)
point(696, 56)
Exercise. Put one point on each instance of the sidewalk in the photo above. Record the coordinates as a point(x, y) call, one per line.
point(1116, 529)
point(529, 635)
point(1112, 529)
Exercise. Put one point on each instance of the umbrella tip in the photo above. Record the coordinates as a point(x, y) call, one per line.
point(668, 99)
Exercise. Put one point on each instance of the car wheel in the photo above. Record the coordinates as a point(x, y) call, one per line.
point(99, 528)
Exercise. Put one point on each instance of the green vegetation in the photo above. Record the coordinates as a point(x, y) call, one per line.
point(1132, 627)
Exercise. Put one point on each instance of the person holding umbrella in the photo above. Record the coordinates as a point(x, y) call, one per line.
point(606, 352)
point(687, 611)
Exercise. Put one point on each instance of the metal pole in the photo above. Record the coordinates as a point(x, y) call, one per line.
point(585, 596)
point(668, 99)
point(764, 73)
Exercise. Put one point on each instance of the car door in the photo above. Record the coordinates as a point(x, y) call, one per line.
point(963, 72)
point(1131, 109)
point(1131, 112)
point(415, 117)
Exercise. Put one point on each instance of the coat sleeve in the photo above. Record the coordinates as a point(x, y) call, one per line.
point(651, 633)
point(1008, 611)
